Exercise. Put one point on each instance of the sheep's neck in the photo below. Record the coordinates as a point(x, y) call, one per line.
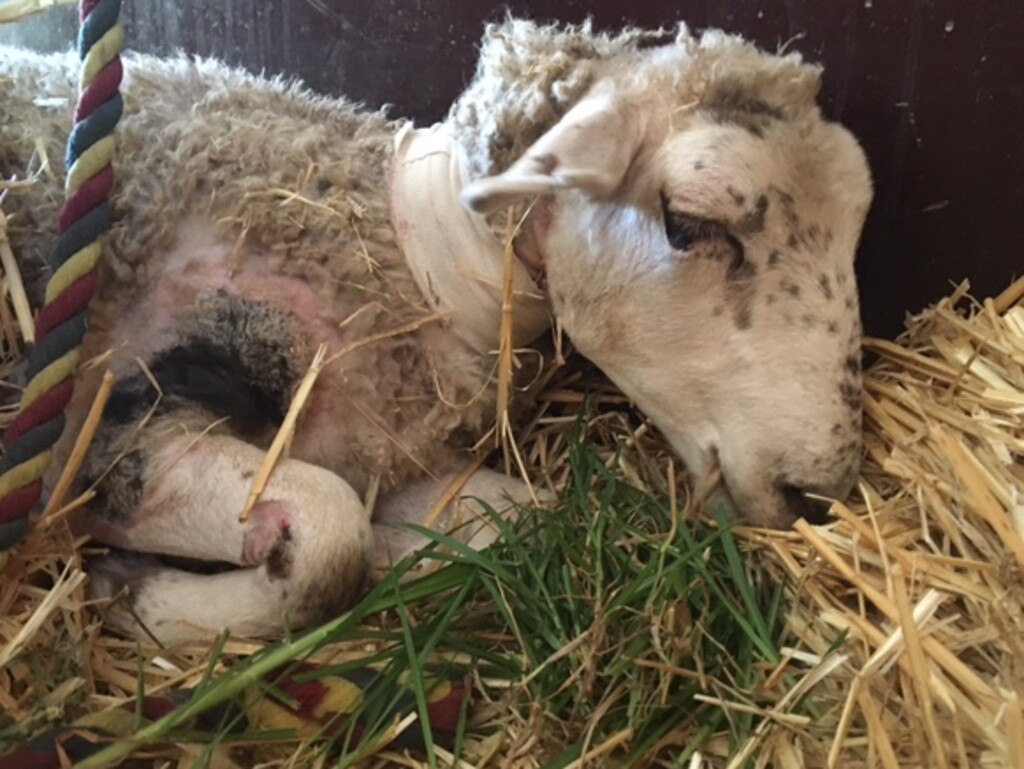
point(455, 258)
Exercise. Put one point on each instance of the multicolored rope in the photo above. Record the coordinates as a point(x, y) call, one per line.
point(84, 219)
point(301, 702)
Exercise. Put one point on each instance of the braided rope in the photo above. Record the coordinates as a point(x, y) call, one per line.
point(84, 219)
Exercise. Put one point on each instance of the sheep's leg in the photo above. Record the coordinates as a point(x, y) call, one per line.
point(307, 543)
point(463, 518)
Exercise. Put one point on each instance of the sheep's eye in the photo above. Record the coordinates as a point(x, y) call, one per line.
point(685, 230)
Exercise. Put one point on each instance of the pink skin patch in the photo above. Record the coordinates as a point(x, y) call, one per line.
point(269, 523)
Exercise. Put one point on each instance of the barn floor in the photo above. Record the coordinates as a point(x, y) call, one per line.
point(627, 628)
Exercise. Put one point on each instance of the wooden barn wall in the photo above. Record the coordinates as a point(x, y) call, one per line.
point(933, 88)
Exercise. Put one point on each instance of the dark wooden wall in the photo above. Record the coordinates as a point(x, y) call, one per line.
point(933, 88)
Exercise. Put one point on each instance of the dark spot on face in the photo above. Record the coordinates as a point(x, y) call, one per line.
point(833, 327)
point(718, 310)
point(737, 197)
point(790, 288)
point(841, 278)
point(740, 291)
point(852, 364)
point(744, 270)
point(837, 429)
point(770, 299)
point(826, 286)
point(850, 394)
point(698, 165)
point(752, 222)
point(813, 232)
point(247, 475)
point(850, 304)
point(743, 317)
point(792, 241)
point(774, 258)
point(788, 204)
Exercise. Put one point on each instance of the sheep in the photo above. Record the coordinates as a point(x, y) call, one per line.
point(687, 217)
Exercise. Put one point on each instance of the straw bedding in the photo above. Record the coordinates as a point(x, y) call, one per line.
point(903, 616)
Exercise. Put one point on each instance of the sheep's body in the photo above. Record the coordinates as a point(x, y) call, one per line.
point(257, 222)
point(208, 160)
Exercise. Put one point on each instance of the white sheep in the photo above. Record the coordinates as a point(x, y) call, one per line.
point(689, 219)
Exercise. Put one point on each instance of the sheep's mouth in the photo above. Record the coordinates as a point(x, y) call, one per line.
point(779, 506)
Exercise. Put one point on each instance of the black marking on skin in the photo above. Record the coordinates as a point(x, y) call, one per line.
point(774, 259)
point(792, 241)
point(833, 327)
point(752, 222)
point(737, 197)
point(234, 361)
point(698, 165)
point(826, 286)
point(199, 371)
point(769, 300)
point(279, 561)
point(718, 310)
point(247, 475)
point(837, 429)
point(852, 364)
point(850, 304)
point(119, 490)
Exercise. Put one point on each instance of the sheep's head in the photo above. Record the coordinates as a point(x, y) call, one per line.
point(697, 221)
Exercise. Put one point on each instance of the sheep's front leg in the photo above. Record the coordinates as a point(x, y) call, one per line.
point(463, 518)
point(306, 547)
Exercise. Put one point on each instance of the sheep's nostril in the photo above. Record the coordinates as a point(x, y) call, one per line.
point(799, 505)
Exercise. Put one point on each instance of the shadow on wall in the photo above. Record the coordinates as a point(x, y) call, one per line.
point(931, 87)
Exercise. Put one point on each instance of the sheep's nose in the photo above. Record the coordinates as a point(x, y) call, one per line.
point(800, 505)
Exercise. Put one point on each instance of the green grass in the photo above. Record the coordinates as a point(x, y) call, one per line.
point(585, 614)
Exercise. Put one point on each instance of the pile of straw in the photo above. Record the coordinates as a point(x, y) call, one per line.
point(902, 618)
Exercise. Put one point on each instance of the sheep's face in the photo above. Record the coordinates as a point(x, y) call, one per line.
point(703, 259)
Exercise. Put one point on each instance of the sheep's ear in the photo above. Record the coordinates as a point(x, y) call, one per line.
point(589, 149)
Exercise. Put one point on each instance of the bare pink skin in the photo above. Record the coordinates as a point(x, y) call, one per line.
point(269, 523)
